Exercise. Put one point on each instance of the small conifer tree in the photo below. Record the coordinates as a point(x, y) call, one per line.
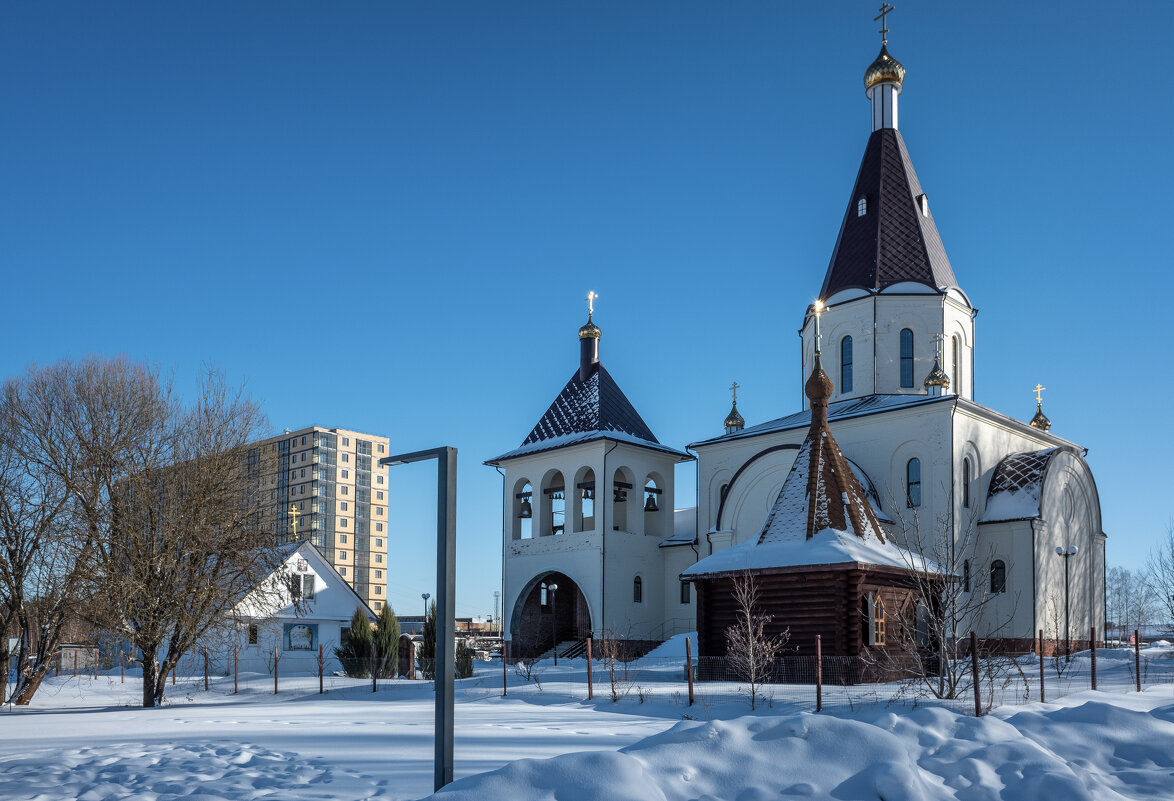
point(387, 633)
point(355, 655)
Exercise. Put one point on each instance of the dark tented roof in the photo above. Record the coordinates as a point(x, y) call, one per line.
point(893, 241)
point(589, 410)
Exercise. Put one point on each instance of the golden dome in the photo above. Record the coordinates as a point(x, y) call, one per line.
point(734, 419)
point(885, 69)
point(1040, 420)
point(937, 377)
point(590, 330)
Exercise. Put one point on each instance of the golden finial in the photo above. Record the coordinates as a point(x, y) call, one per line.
point(591, 296)
point(734, 389)
point(293, 514)
point(885, 9)
point(818, 307)
point(1040, 420)
point(1039, 388)
point(734, 421)
point(590, 330)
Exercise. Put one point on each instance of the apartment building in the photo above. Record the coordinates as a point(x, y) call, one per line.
point(325, 485)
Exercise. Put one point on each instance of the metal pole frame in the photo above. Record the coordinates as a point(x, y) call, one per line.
point(446, 569)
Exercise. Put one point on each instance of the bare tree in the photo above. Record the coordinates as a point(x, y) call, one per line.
point(951, 579)
point(1133, 597)
point(1159, 573)
point(750, 651)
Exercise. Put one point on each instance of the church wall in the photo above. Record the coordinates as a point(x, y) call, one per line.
point(630, 555)
point(678, 617)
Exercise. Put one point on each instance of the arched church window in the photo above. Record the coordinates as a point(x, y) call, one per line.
point(543, 597)
point(846, 365)
point(965, 483)
point(637, 590)
point(878, 621)
point(913, 483)
point(906, 358)
point(862, 206)
point(998, 576)
point(955, 360)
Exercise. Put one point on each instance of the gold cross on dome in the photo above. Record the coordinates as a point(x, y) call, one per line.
point(734, 388)
point(884, 31)
point(591, 296)
point(293, 513)
point(1039, 388)
point(937, 340)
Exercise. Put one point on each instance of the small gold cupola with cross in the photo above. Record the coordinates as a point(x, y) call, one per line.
point(1040, 420)
point(734, 422)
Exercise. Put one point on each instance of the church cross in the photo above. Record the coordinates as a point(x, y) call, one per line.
point(884, 31)
point(293, 513)
point(591, 296)
point(734, 388)
point(1039, 388)
point(937, 340)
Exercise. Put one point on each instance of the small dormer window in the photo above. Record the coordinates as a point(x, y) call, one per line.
point(923, 204)
point(862, 206)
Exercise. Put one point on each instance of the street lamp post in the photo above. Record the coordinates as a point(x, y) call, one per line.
point(1066, 553)
point(446, 569)
point(425, 596)
point(554, 619)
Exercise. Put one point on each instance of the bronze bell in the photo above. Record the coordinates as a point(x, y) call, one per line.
point(527, 511)
point(650, 504)
point(620, 495)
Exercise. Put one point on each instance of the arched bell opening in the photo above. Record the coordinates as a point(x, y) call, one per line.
point(522, 518)
point(553, 505)
point(654, 506)
point(551, 606)
point(584, 494)
point(622, 501)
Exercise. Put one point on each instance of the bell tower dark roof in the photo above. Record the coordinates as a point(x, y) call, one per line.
point(890, 238)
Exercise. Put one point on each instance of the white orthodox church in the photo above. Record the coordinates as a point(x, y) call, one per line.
point(592, 544)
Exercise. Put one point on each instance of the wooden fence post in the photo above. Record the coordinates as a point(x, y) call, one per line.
point(205, 670)
point(276, 659)
point(374, 686)
point(1137, 657)
point(505, 660)
point(689, 667)
point(818, 673)
point(1042, 693)
point(321, 681)
point(235, 669)
point(974, 671)
point(1092, 643)
point(590, 683)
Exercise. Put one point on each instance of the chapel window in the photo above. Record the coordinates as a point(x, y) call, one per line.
point(637, 590)
point(913, 483)
point(862, 206)
point(955, 361)
point(998, 576)
point(685, 592)
point(965, 483)
point(906, 358)
point(846, 365)
point(878, 621)
point(543, 598)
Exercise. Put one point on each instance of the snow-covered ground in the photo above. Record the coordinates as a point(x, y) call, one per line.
point(85, 739)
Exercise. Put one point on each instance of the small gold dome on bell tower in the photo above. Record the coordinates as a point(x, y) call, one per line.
point(885, 69)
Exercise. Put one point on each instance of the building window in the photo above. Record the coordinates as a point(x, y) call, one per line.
point(346, 457)
point(862, 206)
point(254, 634)
point(303, 475)
point(685, 591)
point(878, 621)
point(637, 590)
point(379, 511)
point(342, 522)
point(906, 358)
point(543, 599)
point(965, 483)
point(379, 495)
point(378, 479)
point(379, 527)
point(342, 571)
point(378, 605)
point(378, 574)
point(342, 539)
point(966, 576)
point(955, 360)
point(378, 543)
point(998, 576)
point(346, 474)
point(346, 441)
point(303, 442)
point(381, 447)
point(913, 483)
point(342, 556)
point(378, 590)
point(342, 505)
point(379, 558)
point(846, 365)
point(345, 489)
point(307, 585)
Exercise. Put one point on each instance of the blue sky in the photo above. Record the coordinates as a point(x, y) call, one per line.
point(179, 182)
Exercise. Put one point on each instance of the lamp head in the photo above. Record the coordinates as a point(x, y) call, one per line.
point(1072, 549)
point(1059, 550)
point(552, 587)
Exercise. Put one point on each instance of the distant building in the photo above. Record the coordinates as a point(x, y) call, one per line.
point(325, 486)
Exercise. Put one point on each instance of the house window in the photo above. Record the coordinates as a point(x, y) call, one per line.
point(906, 358)
point(878, 621)
point(862, 206)
point(254, 634)
point(685, 592)
point(965, 483)
point(307, 585)
point(913, 483)
point(637, 590)
point(846, 365)
point(998, 576)
point(966, 576)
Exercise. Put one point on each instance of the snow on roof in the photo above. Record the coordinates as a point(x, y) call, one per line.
point(684, 528)
point(1017, 485)
point(840, 410)
point(828, 547)
point(581, 437)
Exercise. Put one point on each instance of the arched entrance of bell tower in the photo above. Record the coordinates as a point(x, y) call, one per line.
point(541, 614)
